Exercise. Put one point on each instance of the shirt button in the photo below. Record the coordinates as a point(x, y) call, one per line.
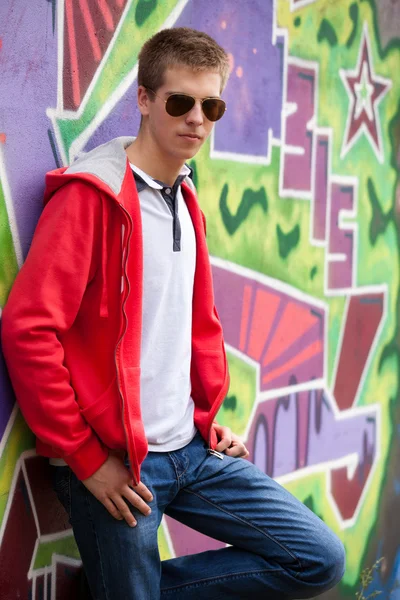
point(168, 190)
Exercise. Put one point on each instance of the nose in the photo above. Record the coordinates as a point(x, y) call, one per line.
point(195, 116)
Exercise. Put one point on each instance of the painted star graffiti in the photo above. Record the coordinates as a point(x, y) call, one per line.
point(366, 90)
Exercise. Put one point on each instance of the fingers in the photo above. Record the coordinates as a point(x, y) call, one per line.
point(124, 510)
point(110, 484)
point(237, 450)
point(143, 491)
point(118, 508)
point(110, 506)
point(230, 443)
point(225, 435)
point(136, 500)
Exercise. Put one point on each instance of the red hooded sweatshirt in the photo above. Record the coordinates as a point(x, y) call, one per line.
point(72, 341)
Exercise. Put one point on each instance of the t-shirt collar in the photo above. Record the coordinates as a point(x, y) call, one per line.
point(154, 183)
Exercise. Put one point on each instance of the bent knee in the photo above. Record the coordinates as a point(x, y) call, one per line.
point(324, 570)
point(335, 564)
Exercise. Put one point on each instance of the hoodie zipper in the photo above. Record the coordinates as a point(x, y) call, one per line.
point(118, 346)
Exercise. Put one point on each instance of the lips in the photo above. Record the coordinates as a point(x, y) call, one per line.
point(192, 136)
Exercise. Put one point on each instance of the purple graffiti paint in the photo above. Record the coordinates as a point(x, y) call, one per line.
point(254, 91)
point(28, 83)
point(286, 431)
point(124, 119)
point(333, 439)
point(326, 438)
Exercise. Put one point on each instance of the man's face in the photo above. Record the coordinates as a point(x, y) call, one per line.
point(180, 138)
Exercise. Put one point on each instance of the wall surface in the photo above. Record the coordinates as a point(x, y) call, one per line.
point(299, 186)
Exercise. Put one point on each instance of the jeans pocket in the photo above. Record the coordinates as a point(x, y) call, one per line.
point(62, 487)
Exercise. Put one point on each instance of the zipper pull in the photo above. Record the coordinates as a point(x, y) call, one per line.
point(215, 453)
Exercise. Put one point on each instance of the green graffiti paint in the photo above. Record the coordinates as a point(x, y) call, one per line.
point(326, 32)
point(379, 220)
point(353, 11)
point(287, 241)
point(394, 133)
point(390, 352)
point(313, 272)
point(250, 198)
point(243, 389)
point(19, 440)
point(195, 178)
point(297, 22)
point(309, 502)
point(65, 546)
point(230, 403)
point(144, 9)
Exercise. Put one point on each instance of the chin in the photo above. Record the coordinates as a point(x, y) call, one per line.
point(190, 154)
point(183, 156)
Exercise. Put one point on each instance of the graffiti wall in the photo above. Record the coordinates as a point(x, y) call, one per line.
point(300, 185)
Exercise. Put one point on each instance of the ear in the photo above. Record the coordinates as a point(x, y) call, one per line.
point(143, 100)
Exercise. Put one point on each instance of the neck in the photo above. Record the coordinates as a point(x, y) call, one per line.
point(144, 154)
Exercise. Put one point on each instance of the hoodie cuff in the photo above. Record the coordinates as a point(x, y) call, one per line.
point(88, 458)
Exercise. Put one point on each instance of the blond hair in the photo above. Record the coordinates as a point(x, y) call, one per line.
point(180, 46)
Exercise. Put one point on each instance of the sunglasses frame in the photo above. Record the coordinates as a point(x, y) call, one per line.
point(193, 98)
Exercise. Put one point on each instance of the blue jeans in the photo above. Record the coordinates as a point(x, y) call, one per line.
point(279, 548)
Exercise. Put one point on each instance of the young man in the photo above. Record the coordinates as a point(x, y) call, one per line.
point(117, 359)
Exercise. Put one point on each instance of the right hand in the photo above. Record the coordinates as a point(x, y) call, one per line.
point(112, 484)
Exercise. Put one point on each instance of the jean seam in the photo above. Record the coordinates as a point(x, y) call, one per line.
point(219, 578)
point(174, 465)
point(97, 543)
point(175, 468)
point(239, 518)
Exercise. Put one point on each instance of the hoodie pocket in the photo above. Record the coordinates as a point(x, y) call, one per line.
point(105, 417)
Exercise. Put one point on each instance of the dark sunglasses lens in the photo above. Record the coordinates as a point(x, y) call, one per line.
point(178, 104)
point(214, 108)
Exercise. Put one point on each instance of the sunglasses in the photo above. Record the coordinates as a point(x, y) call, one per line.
point(177, 105)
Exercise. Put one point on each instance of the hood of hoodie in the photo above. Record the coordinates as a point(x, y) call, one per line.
point(104, 166)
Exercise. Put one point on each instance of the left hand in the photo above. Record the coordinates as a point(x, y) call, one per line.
point(229, 443)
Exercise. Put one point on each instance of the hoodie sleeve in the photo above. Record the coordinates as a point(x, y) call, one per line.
point(43, 303)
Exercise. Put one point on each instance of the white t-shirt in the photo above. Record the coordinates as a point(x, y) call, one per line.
point(169, 261)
